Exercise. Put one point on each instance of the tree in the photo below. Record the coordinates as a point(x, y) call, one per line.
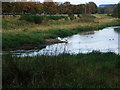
point(116, 11)
point(91, 7)
point(50, 8)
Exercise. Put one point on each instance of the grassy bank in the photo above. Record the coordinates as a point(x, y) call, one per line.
point(16, 35)
point(93, 70)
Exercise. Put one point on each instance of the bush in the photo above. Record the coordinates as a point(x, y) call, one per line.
point(78, 16)
point(37, 19)
point(71, 16)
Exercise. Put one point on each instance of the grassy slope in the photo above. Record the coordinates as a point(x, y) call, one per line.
point(18, 33)
point(94, 70)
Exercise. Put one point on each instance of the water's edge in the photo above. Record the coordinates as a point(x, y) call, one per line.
point(74, 44)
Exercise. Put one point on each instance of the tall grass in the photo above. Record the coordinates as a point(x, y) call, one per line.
point(14, 24)
point(37, 38)
point(17, 40)
point(93, 70)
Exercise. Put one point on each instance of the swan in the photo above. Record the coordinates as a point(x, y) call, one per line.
point(59, 38)
point(64, 40)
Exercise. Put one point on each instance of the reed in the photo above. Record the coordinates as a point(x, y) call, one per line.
point(92, 70)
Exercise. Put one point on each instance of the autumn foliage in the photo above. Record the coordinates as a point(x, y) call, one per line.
point(47, 8)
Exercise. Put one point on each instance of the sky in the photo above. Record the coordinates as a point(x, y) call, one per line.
point(98, 2)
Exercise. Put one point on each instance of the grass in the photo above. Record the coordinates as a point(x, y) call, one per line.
point(17, 40)
point(45, 20)
point(93, 70)
point(36, 34)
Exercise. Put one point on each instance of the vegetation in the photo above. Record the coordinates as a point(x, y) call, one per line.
point(33, 18)
point(18, 40)
point(116, 12)
point(20, 31)
point(47, 8)
point(38, 19)
point(93, 70)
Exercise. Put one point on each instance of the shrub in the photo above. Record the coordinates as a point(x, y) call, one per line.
point(78, 16)
point(37, 19)
point(71, 16)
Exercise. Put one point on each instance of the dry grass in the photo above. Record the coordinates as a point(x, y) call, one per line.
point(100, 19)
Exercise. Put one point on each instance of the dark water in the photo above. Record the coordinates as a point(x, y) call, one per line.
point(105, 40)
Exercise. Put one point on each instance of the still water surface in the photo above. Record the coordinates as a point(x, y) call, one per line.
point(105, 40)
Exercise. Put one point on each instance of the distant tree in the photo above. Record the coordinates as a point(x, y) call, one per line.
point(91, 7)
point(116, 11)
point(50, 8)
point(7, 7)
point(67, 7)
point(101, 10)
point(61, 8)
point(108, 11)
point(67, 3)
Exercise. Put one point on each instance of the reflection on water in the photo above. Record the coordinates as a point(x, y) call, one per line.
point(105, 40)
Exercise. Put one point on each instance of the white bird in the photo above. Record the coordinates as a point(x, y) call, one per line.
point(64, 40)
point(59, 38)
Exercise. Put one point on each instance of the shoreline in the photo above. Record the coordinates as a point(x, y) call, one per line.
point(50, 41)
point(39, 36)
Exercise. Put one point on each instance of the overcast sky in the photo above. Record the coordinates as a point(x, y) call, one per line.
point(98, 2)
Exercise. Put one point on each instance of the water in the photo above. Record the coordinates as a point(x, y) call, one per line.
point(105, 40)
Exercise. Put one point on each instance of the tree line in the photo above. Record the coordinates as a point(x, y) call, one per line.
point(48, 8)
